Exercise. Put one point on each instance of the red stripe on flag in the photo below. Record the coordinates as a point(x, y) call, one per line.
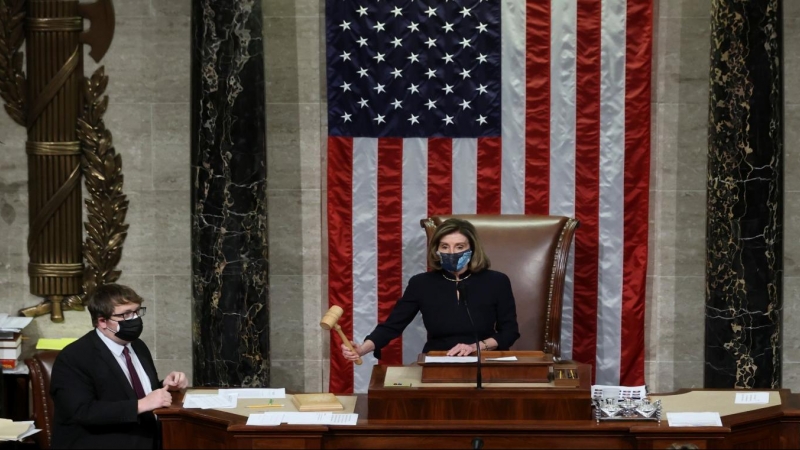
point(390, 228)
point(587, 184)
point(490, 161)
point(440, 176)
point(340, 253)
point(537, 108)
point(638, 54)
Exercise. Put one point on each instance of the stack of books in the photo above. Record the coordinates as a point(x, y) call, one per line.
point(11, 340)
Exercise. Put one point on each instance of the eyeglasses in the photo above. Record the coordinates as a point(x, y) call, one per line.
point(132, 314)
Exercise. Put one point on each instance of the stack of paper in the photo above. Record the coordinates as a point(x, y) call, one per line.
point(16, 431)
point(210, 401)
point(11, 340)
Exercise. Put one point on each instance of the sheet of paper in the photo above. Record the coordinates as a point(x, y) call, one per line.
point(344, 419)
point(451, 359)
point(694, 419)
point(503, 358)
point(255, 393)
point(268, 419)
point(53, 343)
point(13, 323)
point(759, 398)
point(210, 401)
point(307, 418)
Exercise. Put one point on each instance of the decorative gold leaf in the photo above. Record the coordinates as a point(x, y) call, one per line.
point(102, 168)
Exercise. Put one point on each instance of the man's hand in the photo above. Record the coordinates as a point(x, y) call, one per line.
point(160, 398)
point(176, 381)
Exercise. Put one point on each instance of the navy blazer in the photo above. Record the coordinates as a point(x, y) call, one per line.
point(95, 405)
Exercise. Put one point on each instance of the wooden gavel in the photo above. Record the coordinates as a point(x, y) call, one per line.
point(330, 319)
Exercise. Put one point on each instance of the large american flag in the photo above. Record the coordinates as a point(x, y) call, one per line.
point(498, 107)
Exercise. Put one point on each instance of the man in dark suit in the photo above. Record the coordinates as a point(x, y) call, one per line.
point(104, 385)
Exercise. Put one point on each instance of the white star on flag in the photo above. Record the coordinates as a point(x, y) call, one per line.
point(465, 104)
point(345, 56)
point(464, 74)
point(345, 25)
point(379, 119)
point(447, 120)
point(414, 88)
point(414, 26)
point(481, 89)
point(378, 26)
point(397, 72)
point(361, 11)
point(431, 104)
point(346, 117)
point(362, 102)
point(379, 88)
point(481, 120)
point(396, 103)
point(345, 86)
point(447, 89)
point(413, 119)
point(362, 72)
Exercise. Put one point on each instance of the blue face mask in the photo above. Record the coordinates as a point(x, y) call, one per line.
point(454, 262)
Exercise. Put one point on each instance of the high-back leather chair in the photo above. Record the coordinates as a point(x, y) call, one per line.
point(40, 367)
point(533, 251)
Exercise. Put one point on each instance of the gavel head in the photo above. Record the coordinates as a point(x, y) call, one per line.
point(331, 317)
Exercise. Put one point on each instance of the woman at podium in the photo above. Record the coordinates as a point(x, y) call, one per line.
point(460, 299)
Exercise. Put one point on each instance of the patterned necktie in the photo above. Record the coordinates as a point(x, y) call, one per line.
point(137, 384)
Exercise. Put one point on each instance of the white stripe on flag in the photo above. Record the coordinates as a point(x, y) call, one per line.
point(365, 250)
point(563, 47)
point(415, 208)
point(612, 191)
point(512, 66)
point(465, 176)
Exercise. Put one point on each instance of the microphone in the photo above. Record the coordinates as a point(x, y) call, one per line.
point(462, 298)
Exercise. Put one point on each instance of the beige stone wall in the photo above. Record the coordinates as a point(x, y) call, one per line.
point(148, 114)
point(676, 269)
point(791, 196)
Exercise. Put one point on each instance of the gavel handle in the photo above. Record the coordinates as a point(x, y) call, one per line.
point(347, 342)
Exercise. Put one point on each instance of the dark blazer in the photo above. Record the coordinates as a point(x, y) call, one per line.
point(95, 405)
point(491, 303)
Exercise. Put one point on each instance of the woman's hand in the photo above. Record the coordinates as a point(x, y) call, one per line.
point(360, 350)
point(461, 350)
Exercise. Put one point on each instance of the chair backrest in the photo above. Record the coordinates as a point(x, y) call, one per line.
point(40, 367)
point(533, 251)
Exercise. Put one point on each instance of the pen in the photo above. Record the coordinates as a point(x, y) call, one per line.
point(274, 405)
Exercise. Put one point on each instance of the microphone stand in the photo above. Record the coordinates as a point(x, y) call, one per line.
point(462, 294)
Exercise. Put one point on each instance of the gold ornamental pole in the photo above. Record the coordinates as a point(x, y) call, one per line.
point(55, 68)
point(63, 117)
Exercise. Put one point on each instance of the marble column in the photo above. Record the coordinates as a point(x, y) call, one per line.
point(744, 235)
point(229, 211)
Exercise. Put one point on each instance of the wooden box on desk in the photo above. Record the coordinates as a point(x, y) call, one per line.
point(413, 400)
point(529, 367)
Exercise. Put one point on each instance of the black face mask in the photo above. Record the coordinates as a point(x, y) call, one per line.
point(129, 330)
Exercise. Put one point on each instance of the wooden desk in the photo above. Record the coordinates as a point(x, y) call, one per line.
point(772, 427)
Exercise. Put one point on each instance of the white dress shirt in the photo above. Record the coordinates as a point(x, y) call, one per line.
point(116, 350)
